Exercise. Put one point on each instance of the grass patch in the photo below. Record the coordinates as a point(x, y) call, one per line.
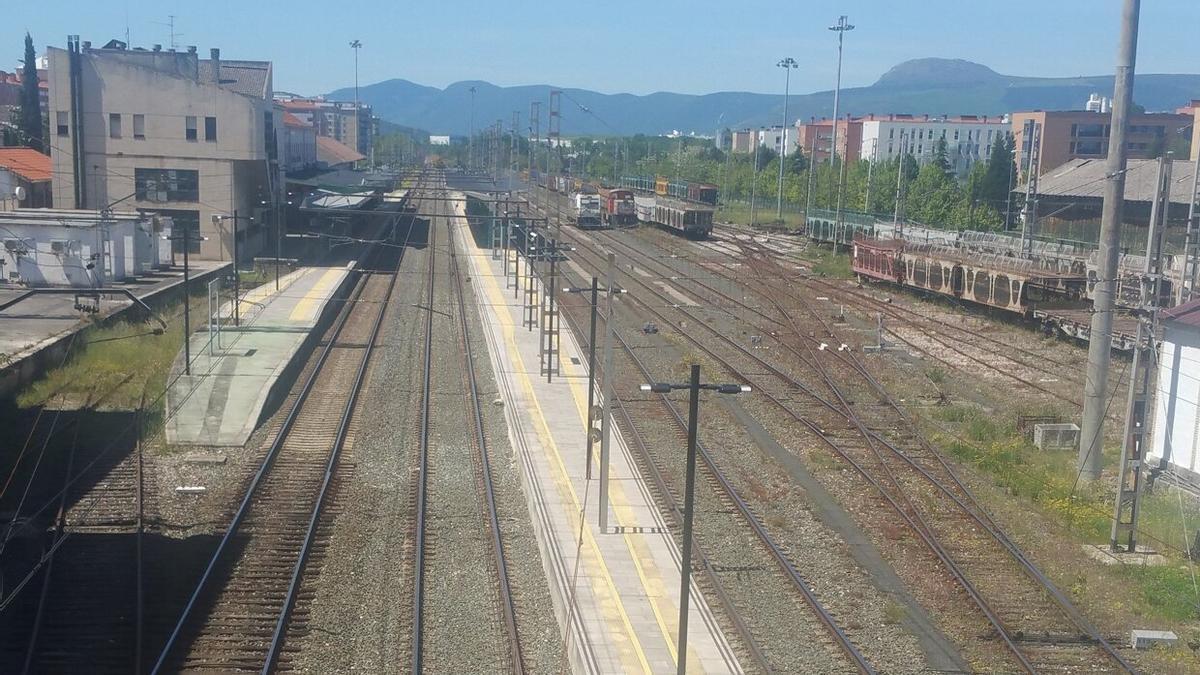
point(833, 266)
point(893, 612)
point(116, 364)
point(765, 215)
point(1047, 478)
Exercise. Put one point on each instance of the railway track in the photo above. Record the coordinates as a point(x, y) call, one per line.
point(243, 606)
point(457, 538)
point(1040, 629)
point(931, 327)
point(732, 529)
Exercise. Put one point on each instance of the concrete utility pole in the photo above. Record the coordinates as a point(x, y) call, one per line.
point(1095, 387)
point(356, 45)
point(471, 134)
point(754, 182)
point(787, 64)
point(870, 171)
point(610, 282)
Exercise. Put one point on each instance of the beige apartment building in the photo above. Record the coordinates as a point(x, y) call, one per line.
point(1080, 134)
point(167, 132)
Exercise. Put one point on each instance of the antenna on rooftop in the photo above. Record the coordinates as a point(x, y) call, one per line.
point(170, 24)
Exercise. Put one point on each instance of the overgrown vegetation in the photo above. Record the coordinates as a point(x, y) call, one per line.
point(1048, 479)
point(112, 366)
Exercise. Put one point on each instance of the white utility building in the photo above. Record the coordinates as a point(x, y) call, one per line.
point(1175, 436)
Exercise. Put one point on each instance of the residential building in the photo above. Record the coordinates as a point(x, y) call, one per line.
point(29, 170)
point(82, 249)
point(724, 139)
point(969, 138)
point(439, 140)
point(10, 88)
point(170, 133)
point(334, 155)
point(299, 143)
point(1192, 109)
point(743, 141)
point(849, 131)
point(336, 120)
point(1079, 134)
point(779, 139)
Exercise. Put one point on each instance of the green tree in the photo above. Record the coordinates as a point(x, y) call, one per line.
point(941, 156)
point(993, 187)
point(31, 106)
point(798, 163)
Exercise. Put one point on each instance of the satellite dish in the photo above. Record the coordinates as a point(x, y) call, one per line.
point(19, 193)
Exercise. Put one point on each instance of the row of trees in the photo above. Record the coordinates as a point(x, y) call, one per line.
point(27, 126)
point(931, 194)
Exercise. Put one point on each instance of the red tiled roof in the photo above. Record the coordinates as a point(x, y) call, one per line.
point(27, 163)
point(297, 104)
point(332, 152)
point(292, 121)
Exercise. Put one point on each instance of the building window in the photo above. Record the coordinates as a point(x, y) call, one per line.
point(139, 127)
point(956, 134)
point(189, 124)
point(182, 221)
point(166, 185)
point(1088, 130)
point(114, 125)
point(210, 128)
point(891, 133)
point(60, 121)
point(1089, 148)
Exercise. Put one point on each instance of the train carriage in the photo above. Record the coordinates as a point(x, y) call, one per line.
point(878, 259)
point(692, 221)
point(617, 206)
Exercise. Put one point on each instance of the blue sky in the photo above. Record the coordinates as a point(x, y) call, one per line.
point(621, 45)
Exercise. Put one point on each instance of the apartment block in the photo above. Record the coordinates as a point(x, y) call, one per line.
point(166, 132)
point(336, 120)
point(969, 138)
point(1080, 134)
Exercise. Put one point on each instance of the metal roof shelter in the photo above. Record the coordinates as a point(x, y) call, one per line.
point(1085, 178)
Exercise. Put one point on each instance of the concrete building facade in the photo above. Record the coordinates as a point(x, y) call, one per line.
point(969, 138)
point(1079, 134)
point(743, 141)
point(299, 143)
point(170, 133)
point(336, 120)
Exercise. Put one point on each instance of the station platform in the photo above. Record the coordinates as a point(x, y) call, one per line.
point(235, 375)
point(616, 592)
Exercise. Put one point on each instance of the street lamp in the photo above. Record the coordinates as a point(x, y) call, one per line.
point(841, 28)
point(356, 45)
point(594, 289)
point(787, 64)
point(694, 386)
point(187, 296)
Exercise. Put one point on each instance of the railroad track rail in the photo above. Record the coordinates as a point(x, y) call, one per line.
point(1042, 630)
point(929, 327)
point(242, 607)
point(739, 529)
point(457, 538)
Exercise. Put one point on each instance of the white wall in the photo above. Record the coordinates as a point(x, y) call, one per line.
point(973, 143)
point(773, 139)
point(1176, 399)
point(30, 260)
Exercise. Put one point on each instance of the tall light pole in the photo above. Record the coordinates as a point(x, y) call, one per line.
point(356, 45)
point(841, 28)
point(685, 569)
point(754, 179)
point(787, 64)
point(471, 134)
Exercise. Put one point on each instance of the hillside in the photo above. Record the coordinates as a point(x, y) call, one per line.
point(934, 86)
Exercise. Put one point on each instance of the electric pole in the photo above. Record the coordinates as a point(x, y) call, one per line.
point(841, 28)
point(1095, 386)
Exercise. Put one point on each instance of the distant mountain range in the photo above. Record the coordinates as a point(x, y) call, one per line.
point(933, 86)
